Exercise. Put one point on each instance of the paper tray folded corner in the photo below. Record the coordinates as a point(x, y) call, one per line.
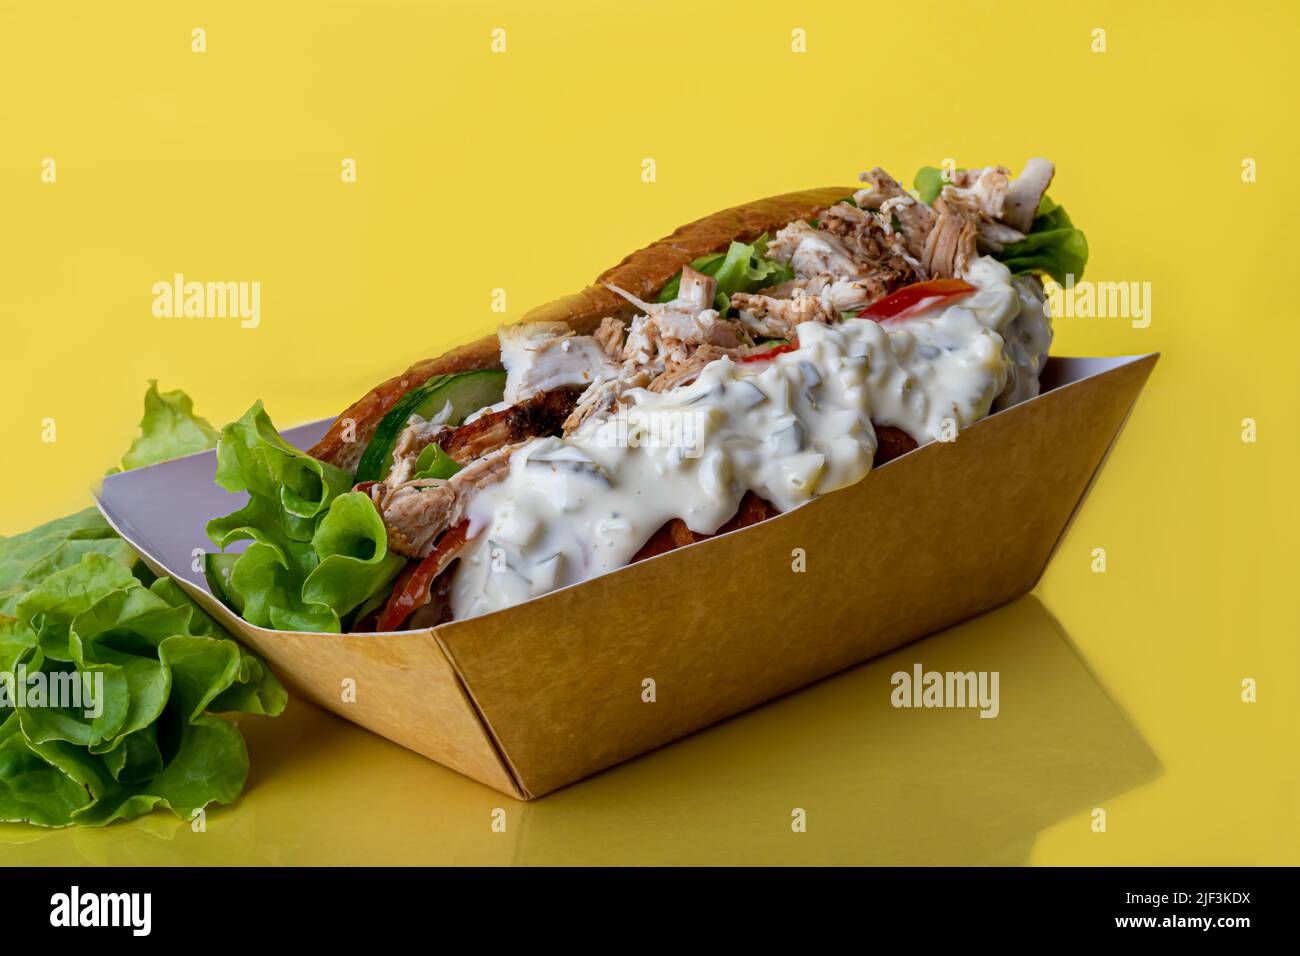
point(537, 696)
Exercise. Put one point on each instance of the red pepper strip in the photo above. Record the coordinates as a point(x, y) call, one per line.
point(766, 354)
point(412, 588)
point(918, 295)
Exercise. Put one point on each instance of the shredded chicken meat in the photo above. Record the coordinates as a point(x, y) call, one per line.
point(668, 332)
point(1025, 193)
point(540, 356)
point(951, 243)
point(417, 512)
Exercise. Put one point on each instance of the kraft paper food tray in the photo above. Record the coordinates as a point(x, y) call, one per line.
point(536, 696)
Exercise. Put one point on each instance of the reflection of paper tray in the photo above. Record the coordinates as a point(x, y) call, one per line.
point(879, 785)
point(536, 696)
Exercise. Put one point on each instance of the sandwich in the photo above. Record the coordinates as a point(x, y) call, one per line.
point(732, 371)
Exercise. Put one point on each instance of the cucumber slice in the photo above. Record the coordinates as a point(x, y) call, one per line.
point(216, 569)
point(466, 391)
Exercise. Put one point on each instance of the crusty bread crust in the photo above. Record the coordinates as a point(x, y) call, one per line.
point(643, 273)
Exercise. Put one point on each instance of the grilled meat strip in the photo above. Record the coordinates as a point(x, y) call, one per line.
point(890, 443)
point(675, 534)
point(543, 414)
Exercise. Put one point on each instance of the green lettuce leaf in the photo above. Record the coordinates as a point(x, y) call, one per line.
point(29, 558)
point(255, 689)
point(288, 489)
point(32, 789)
point(169, 429)
point(1053, 246)
point(50, 607)
point(742, 268)
point(317, 551)
point(145, 737)
point(352, 546)
point(434, 463)
point(929, 183)
point(80, 612)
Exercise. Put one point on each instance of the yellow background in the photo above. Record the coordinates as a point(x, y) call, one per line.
point(522, 171)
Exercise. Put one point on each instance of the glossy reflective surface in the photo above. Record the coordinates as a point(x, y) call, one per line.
point(878, 784)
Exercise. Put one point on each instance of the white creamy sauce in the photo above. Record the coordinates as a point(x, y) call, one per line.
point(789, 429)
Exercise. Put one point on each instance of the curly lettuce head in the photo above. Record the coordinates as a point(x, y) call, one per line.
point(110, 678)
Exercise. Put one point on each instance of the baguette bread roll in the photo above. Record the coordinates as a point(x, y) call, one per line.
point(643, 273)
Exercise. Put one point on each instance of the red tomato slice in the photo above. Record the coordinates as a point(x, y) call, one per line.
point(915, 297)
point(767, 354)
point(412, 588)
